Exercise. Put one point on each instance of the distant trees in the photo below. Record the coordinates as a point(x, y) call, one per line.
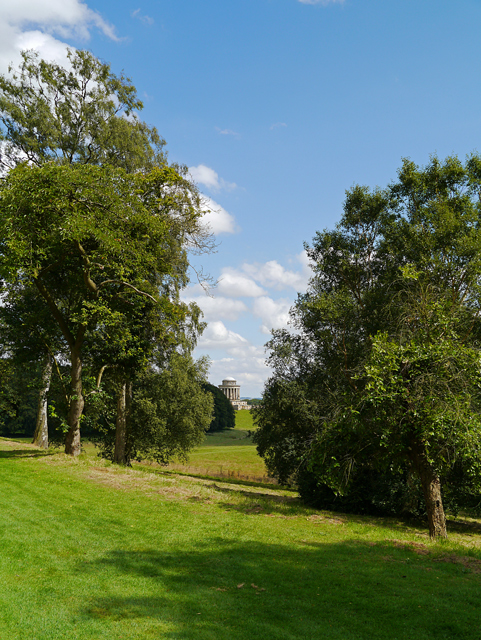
point(95, 232)
point(224, 412)
point(379, 384)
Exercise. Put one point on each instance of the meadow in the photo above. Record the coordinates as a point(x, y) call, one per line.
point(228, 454)
point(93, 551)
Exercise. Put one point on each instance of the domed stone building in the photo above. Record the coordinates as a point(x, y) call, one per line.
point(231, 390)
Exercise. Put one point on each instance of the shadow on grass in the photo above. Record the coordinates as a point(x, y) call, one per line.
point(25, 453)
point(245, 590)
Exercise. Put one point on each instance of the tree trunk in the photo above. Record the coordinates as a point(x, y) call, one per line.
point(40, 437)
point(121, 426)
point(72, 441)
point(431, 485)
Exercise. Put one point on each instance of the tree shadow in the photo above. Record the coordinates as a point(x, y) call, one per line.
point(24, 453)
point(307, 589)
point(262, 504)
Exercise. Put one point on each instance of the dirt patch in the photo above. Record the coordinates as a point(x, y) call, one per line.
point(472, 564)
point(318, 519)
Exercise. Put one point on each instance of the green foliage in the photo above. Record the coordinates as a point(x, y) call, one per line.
point(18, 398)
point(169, 414)
point(83, 114)
point(107, 252)
point(95, 230)
point(381, 380)
point(224, 412)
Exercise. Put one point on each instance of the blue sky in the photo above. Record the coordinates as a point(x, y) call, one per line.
point(277, 106)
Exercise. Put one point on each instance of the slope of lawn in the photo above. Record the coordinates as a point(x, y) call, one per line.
point(89, 551)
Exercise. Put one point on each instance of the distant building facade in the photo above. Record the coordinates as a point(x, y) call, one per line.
point(231, 390)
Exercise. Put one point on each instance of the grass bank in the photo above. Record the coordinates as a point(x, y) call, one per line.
point(90, 551)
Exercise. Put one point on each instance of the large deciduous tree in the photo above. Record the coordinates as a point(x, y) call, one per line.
point(81, 113)
point(91, 240)
point(383, 372)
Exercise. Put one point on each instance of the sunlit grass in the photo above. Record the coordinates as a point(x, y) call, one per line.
point(91, 551)
point(244, 420)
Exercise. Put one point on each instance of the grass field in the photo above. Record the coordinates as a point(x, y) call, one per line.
point(243, 420)
point(228, 454)
point(90, 551)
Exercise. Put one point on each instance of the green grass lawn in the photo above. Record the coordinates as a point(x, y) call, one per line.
point(243, 420)
point(90, 551)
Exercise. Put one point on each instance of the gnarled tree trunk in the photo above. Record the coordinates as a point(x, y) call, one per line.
point(72, 441)
point(40, 437)
point(431, 485)
point(121, 426)
point(124, 401)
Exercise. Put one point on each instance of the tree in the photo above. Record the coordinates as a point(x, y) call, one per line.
point(224, 412)
point(91, 239)
point(168, 412)
point(82, 114)
point(383, 373)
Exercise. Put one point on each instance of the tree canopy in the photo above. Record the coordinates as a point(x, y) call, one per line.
point(383, 371)
point(95, 232)
point(93, 241)
point(83, 113)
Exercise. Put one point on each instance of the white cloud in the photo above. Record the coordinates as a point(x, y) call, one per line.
point(273, 313)
point(216, 218)
point(234, 284)
point(276, 125)
point(217, 336)
point(273, 275)
point(37, 24)
point(209, 178)
point(142, 17)
point(218, 307)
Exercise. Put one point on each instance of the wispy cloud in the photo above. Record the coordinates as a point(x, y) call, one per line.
point(276, 125)
point(228, 132)
point(323, 2)
point(142, 17)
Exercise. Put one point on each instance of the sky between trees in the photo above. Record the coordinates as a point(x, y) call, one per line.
point(277, 107)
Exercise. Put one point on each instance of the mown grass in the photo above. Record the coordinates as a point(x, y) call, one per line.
point(244, 420)
point(90, 551)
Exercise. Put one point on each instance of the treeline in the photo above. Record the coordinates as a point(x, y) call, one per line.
point(97, 230)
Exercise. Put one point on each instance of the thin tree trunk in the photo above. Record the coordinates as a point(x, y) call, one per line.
point(72, 441)
point(40, 437)
point(431, 485)
point(121, 426)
